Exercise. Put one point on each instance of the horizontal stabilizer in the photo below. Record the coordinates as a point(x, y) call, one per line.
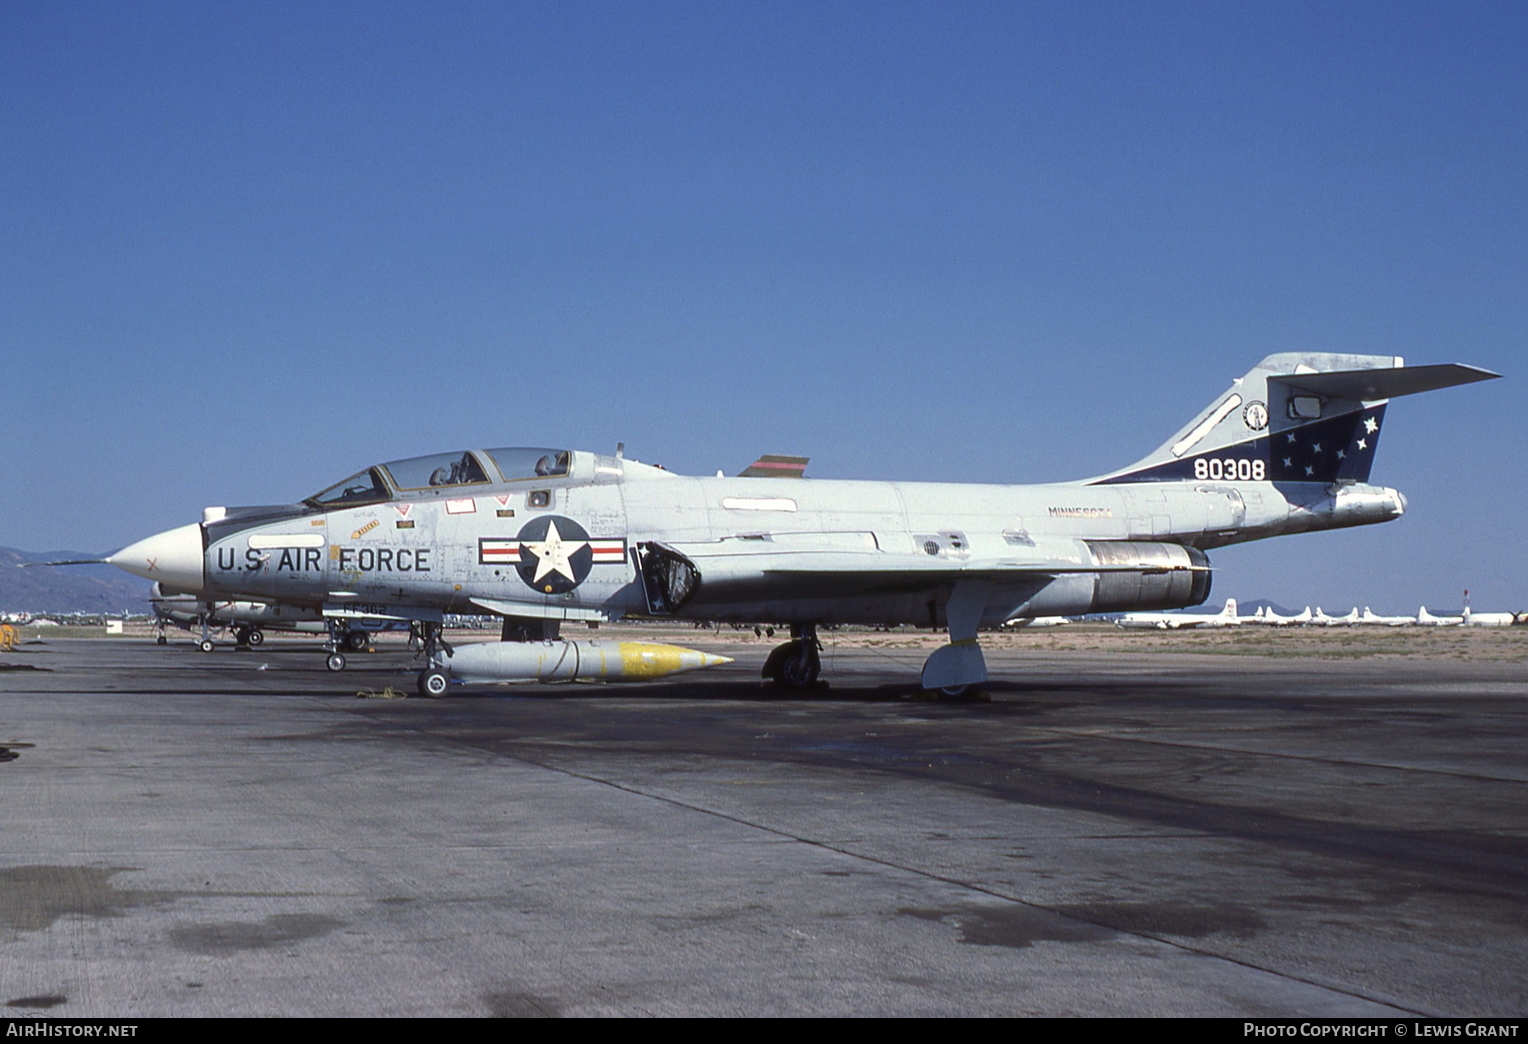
point(1373, 385)
point(776, 465)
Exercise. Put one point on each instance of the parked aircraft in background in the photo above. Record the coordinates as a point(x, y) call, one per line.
point(546, 536)
point(1490, 619)
point(1427, 619)
point(1322, 620)
point(1036, 621)
point(1272, 619)
point(1372, 619)
point(247, 620)
point(1473, 619)
point(1176, 621)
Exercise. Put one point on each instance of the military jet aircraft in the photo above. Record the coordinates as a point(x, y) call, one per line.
point(248, 620)
point(546, 536)
point(193, 611)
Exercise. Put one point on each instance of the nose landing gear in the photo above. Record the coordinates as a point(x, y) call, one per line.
point(435, 679)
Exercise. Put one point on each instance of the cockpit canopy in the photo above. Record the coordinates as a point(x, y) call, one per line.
point(441, 469)
point(522, 462)
point(444, 471)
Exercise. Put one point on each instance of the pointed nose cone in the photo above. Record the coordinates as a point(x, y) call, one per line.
point(173, 558)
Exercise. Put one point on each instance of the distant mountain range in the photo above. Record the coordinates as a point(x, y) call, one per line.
point(67, 589)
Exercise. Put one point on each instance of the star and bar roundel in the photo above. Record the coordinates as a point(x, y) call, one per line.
point(553, 554)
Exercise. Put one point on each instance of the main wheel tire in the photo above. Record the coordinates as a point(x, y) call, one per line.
point(356, 641)
point(771, 670)
point(433, 682)
point(205, 645)
point(336, 662)
point(161, 640)
point(800, 671)
point(256, 637)
point(241, 637)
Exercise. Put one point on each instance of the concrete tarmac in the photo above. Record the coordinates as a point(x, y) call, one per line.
point(1114, 833)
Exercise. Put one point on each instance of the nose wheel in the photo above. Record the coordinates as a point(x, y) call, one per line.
point(335, 660)
point(434, 680)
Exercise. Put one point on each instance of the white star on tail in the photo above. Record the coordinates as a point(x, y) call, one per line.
point(553, 554)
point(1371, 425)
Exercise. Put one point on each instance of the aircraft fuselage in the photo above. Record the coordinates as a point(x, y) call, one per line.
point(774, 550)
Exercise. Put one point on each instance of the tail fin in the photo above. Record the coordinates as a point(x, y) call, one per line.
point(776, 465)
point(1295, 417)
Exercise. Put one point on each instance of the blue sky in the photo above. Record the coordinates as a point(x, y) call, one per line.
point(246, 249)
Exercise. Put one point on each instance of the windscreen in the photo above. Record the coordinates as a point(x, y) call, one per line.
point(360, 488)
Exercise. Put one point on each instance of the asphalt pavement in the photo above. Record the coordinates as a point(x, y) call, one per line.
point(1110, 833)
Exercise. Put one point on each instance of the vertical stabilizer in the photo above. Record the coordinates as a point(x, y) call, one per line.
point(1295, 417)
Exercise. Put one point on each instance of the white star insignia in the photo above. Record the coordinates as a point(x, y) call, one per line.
point(1371, 425)
point(1309, 470)
point(1317, 447)
point(1342, 454)
point(553, 554)
point(1362, 444)
point(1291, 438)
point(1289, 462)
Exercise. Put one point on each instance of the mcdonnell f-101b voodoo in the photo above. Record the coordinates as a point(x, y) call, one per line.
point(546, 536)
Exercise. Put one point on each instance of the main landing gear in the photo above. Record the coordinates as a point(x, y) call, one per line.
point(248, 637)
point(797, 663)
point(956, 670)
